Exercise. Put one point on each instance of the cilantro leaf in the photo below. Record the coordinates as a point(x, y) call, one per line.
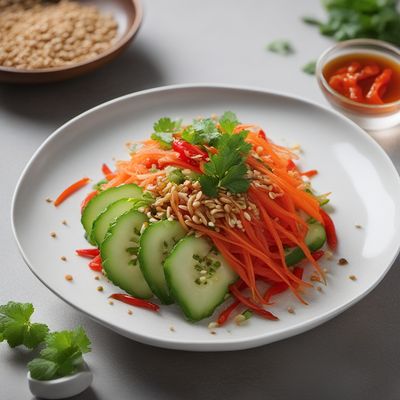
point(16, 327)
point(202, 131)
point(166, 124)
point(227, 168)
point(283, 47)
point(165, 139)
point(164, 129)
point(228, 121)
point(309, 68)
point(62, 356)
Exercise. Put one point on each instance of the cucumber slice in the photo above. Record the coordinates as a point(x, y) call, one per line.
point(315, 239)
point(156, 243)
point(100, 202)
point(107, 217)
point(119, 254)
point(197, 292)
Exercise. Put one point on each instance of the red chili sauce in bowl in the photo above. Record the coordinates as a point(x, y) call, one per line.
point(364, 78)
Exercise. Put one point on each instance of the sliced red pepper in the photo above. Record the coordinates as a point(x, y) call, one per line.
point(331, 236)
point(106, 170)
point(88, 253)
point(95, 264)
point(87, 199)
point(275, 289)
point(134, 301)
point(189, 153)
point(316, 255)
point(262, 134)
point(225, 314)
point(71, 190)
point(379, 87)
point(298, 272)
point(291, 166)
point(254, 307)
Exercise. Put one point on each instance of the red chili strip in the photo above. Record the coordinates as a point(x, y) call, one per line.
point(330, 229)
point(70, 190)
point(317, 254)
point(134, 301)
point(106, 170)
point(87, 199)
point(88, 253)
point(225, 314)
point(95, 264)
point(298, 271)
point(248, 303)
point(189, 153)
point(262, 134)
point(275, 289)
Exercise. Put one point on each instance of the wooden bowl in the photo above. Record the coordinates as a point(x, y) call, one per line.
point(127, 13)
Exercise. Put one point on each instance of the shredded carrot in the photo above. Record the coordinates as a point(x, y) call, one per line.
point(257, 251)
point(71, 190)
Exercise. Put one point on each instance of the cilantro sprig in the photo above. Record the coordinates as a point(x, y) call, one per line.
point(281, 46)
point(16, 327)
point(227, 168)
point(164, 129)
point(203, 131)
point(61, 356)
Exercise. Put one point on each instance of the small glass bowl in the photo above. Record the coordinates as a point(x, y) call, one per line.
point(367, 116)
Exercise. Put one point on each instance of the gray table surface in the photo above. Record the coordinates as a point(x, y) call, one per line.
point(354, 356)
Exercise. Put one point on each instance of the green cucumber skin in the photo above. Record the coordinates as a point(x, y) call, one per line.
point(105, 198)
point(183, 302)
point(98, 234)
point(151, 247)
point(111, 244)
point(314, 240)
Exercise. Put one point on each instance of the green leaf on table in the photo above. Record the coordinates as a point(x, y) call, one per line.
point(310, 67)
point(16, 327)
point(281, 46)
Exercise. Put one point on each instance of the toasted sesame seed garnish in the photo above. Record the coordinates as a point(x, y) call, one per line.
point(240, 319)
point(130, 312)
point(49, 200)
point(342, 261)
point(99, 288)
point(325, 270)
point(290, 310)
point(319, 288)
point(64, 222)
point(63, 258)
point(358, 226)
point(213, 325)
point(328, 255)
point(97, 277)
point(353, 277)
point(213, 332)
point(68, 277)
point(172, 329)
point(315, 278)
point(110, 302)
point(53, 235)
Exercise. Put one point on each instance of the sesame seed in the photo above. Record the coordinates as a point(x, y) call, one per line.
point(68, 277)
point(213, 325)
point(64, 222)
point(319, 288)
point(240, 319)
point(130, 312)
point(247, 216)
point(110, 302)
point(49, 200)
point(100, 288)
point(53, 235)
point(353, 277)
point(172, 329)
point(97, 278)
point(290, 310)
point(63, 258)
point(358, 226)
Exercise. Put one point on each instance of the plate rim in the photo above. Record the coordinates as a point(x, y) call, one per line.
point(202, 345)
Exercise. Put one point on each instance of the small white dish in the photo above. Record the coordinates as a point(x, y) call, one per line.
point(364, 182)
point(61, 388)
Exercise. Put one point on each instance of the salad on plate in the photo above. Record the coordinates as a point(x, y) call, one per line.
point(206, 213)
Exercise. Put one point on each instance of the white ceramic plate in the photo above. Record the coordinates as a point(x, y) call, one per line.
point(364, 183)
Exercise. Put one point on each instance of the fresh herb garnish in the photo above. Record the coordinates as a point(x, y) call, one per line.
point(283, 47)
point(349, 19)
point(16, 327)
point(310, 67)
point(227, 168)
point(62, 355)
point(164, 129)
point(176, 176)
point(202, 131)
point(228, 122)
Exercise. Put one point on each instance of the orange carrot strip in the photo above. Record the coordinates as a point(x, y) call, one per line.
point(70, 190)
